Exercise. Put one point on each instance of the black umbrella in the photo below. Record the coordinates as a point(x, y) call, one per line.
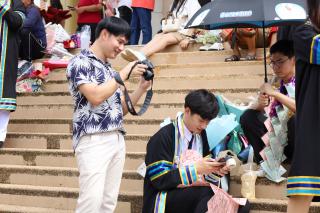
point(220, 14)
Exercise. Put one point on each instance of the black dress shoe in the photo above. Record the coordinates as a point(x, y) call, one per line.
point(1, 144)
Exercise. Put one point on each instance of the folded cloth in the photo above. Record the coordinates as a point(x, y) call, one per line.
point(55, 64)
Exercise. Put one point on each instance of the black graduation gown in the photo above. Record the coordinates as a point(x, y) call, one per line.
point(9, 53)
point(304, 176)
point(161, 148)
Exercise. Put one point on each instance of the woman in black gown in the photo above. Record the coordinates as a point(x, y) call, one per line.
point(304, 177)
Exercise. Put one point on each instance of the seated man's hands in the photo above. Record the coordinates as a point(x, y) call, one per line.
point(209, 165)
point(267, 89)
point(263, 101)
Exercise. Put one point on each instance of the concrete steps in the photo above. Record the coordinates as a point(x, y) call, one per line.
point(134, 143)
point(38, 171)
point(183, 57)
point(208, 70)
point(65, 198)
point(158, 99)
point(248, 85)
point(59, 177)
point(27, 209)
point(65, 126)
point(61, 112)
point(56, 158)
point(61, 198)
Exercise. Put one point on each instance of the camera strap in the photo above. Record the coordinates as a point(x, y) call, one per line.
point(128, 101)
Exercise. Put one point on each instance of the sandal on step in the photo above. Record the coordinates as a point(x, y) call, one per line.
point(232, 58)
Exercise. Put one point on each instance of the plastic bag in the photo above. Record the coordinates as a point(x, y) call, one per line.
point(219, 128)
point(25, 68)
point(235, 143)
point(60, 34)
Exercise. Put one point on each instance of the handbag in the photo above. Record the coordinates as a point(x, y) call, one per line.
point(170, 24)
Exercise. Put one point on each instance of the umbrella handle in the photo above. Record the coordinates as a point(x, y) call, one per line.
point(264, 55)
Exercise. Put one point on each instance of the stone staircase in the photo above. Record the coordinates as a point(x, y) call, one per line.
point(38, 171)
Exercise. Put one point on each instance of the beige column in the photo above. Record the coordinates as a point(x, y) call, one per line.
point(71, 23)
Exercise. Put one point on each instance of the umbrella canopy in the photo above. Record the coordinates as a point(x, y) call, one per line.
point(220, 14)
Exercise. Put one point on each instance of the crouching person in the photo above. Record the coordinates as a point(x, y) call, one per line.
point(170, 186)
point(252, 121)
point(98, 115)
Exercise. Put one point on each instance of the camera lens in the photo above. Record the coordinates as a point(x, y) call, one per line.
point(148, 75)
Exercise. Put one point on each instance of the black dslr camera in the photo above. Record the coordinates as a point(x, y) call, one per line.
point(148, 74)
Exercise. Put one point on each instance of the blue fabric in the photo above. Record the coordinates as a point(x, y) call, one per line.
point(85, 68)
point(34, 24)
point(141, 21)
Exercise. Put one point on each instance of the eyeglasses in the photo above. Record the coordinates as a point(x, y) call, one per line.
point(277, 64)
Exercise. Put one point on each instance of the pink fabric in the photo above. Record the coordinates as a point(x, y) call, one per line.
point(55, 64)
point(222, 202)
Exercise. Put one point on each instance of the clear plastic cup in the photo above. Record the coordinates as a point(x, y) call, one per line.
point(248, 184)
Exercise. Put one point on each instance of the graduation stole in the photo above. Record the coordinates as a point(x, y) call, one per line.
point(4, 7)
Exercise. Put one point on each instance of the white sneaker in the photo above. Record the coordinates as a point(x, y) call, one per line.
point(212, 47)
point(216, 46)
point(205, 47)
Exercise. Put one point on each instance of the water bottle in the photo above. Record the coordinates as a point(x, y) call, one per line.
point(85, 37)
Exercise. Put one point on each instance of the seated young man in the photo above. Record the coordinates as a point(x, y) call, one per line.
point(252, 121)
point(170, 186)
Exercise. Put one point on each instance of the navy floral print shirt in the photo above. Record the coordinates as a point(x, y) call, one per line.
point(85, 68)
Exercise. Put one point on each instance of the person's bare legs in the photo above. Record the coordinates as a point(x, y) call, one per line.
point(158, 43)
point(299, 204)
point(236, 50)
point(251, 43)
point(273, 39)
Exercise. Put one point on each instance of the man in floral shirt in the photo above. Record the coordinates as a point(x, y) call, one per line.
point(98, 115)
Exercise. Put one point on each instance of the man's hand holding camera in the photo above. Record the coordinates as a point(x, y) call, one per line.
point(133, 69)
point(136, 69)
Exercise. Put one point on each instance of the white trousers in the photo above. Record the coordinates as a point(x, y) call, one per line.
point(4, 120)
point(100, 160)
